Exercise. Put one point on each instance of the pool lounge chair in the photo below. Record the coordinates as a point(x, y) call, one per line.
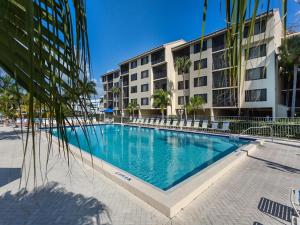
point(188, 124)
point(151, 122)
point(181, 124)
point(162, 123)
point(174, 123)
point(295, 200)
point(204, 125)
point(168, 123)
point(225, 127)
point(214, 126)
point(157, 121)
point(196, 124)
point(134, 120)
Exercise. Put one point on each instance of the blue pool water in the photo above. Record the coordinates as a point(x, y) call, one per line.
point(160, 157)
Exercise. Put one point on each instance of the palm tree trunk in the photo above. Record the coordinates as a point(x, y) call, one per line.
point(294, 91)
point(162, 114)
point(194, 115)
point(287, 96)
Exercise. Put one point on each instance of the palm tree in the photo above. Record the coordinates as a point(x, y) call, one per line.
point(182, 66)
point(195, 103)
point(115, 91)
point(44, 48)
point(161, 99)
point(132, 107)
point(87, 88)
point(289, 54)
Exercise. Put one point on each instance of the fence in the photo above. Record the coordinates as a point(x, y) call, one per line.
point(282, 127)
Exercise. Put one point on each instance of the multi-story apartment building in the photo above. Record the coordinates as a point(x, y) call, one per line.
point(256, 91)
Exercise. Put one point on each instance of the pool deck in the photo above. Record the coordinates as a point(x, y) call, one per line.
point(255, 191)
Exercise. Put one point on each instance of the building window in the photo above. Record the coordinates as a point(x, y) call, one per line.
point(257, 51)
point(144, 87)
point(259, 27)
point(181, 100)
point(197, 47)
point(200, 64)
point(116, 75)
point(218, 43)
point(144, 60)
point(220, 60)
point(224, 97)
point(134, 100)
point(144, 101)
point(256, 73)
point(103, 78)
point(256, 95)
point(223, 78)
point(181, 87)
point(133, 64)
point(133, 77)
point(204, 96)
point(133, 89)
point(144, 74)
point(200, 81)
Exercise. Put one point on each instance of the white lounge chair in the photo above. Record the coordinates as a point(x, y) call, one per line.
point(196, 124)
point(214, 126)
point(225, 127)
point(174, 123)
point(188, 124)
point(134, 120)
point(204, 125)
point(168, 123)
point(181, 124)
point(157, 122)
point(162, 123)
point(151, 122)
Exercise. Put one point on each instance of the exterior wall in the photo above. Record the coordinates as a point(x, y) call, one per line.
point(271, 37)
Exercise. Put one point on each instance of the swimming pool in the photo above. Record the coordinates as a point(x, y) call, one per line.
point(163, 158)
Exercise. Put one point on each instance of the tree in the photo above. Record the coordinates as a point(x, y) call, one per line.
point(289, 61)
point(132, 107)
point(9, 97)
point(87, 88)
point(44, 47)
point(115, 91)
point(161, 99)
point(195, 103)
point(182, 66)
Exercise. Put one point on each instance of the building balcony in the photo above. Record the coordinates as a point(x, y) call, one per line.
point(158, 56)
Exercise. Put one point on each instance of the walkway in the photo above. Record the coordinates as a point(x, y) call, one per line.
point(256, 192)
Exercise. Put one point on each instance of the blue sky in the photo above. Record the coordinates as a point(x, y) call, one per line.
point(122, 29)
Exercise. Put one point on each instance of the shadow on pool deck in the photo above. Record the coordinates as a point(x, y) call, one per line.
point(277, 166)
point(51, 204)
point(8, 175)
point(275, 209)
point(10, 135)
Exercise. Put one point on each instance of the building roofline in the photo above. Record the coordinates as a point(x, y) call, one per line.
point(111, 71)
point(215, 33)
point(148, 52)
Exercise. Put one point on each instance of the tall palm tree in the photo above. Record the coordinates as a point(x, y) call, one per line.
point(289, 53)
point(195, 104)
point(182, 66)
point(115, 91)
point(87, 88)
point(161, 99)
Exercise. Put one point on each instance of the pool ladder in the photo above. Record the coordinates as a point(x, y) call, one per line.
point(262, 127)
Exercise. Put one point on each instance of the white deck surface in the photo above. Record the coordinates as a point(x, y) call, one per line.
point(256, 191)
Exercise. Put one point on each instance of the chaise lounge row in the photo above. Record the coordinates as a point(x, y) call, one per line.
point(181, 124)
